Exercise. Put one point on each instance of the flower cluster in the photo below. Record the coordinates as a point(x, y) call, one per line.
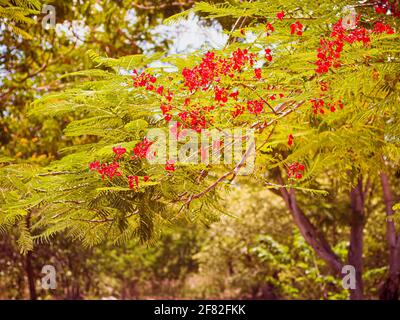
point(379, 27)
point(133, 181)
point(383, 6)
point(195, 119)
point(170, 165)
point(105, 169)
point(268, 55)
point(296, 28)
point(119, 151)
point(144, 80)
point(280, 15)
point(319, 105)
point(329, 51)
point(141, 149)
point(290, 140)
point(255, 106)
point(295, 170)
point(213, 67)
point(112, 169)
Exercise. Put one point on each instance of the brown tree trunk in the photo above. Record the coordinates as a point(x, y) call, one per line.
point(356, 238)
point(309, 232)
point(29, 267)
point(318, 242)
point(30, 276)
point(390, 289)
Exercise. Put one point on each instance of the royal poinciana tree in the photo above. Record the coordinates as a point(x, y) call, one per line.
point(318, 84)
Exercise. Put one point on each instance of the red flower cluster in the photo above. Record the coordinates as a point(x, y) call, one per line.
point(119, 151)
point(112, 169)
point(141, 149)
point(105, 169)
point(133, 181)
point(319, 104)
point(290, 140)
point(170, 165)
point(270, 28)
point(268, 55)
point(330, 50)
point(165, 109)
point(212, 68)
point(385, 5)
point(280, 15)
point(296, 28)
point(221, 94)
point(144, 80)
point(194, 119)
point(255, 106)
point(258, 73)
point(295, 170)
point(382, 28)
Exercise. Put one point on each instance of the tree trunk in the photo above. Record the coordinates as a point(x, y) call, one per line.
point(30, 276)
point(309, 232)
point(356, 238)
point(390, 289)
point(28, 265)
point(318, 242)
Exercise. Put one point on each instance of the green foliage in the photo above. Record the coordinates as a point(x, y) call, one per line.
point(94, 107)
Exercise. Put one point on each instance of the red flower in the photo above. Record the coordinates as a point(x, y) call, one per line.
point(221, 95)
point(169, 96)
point(234, 95)
point(270, 28)
point(318, 106)
point(290, 140)
point(255, 106)
point(295, 170)
point(379, 9)
point(165, 108)
point(170, 165)
point(141, 149)
point(133, 182)
point(143, 80)
point(381, 28)
point(280, 15)
point(119, 151)
point(268, 55)
point(257, 73)
point(296, 28)
point(160, 90)
point(110, 170)
point(146, 178)
point(94, 165)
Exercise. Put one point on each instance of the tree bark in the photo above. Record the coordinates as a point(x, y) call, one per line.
point(30, 276)
point(357, 238)
point(320, 245)
point(390, 289)
point(309, 232)
point(28, 265)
